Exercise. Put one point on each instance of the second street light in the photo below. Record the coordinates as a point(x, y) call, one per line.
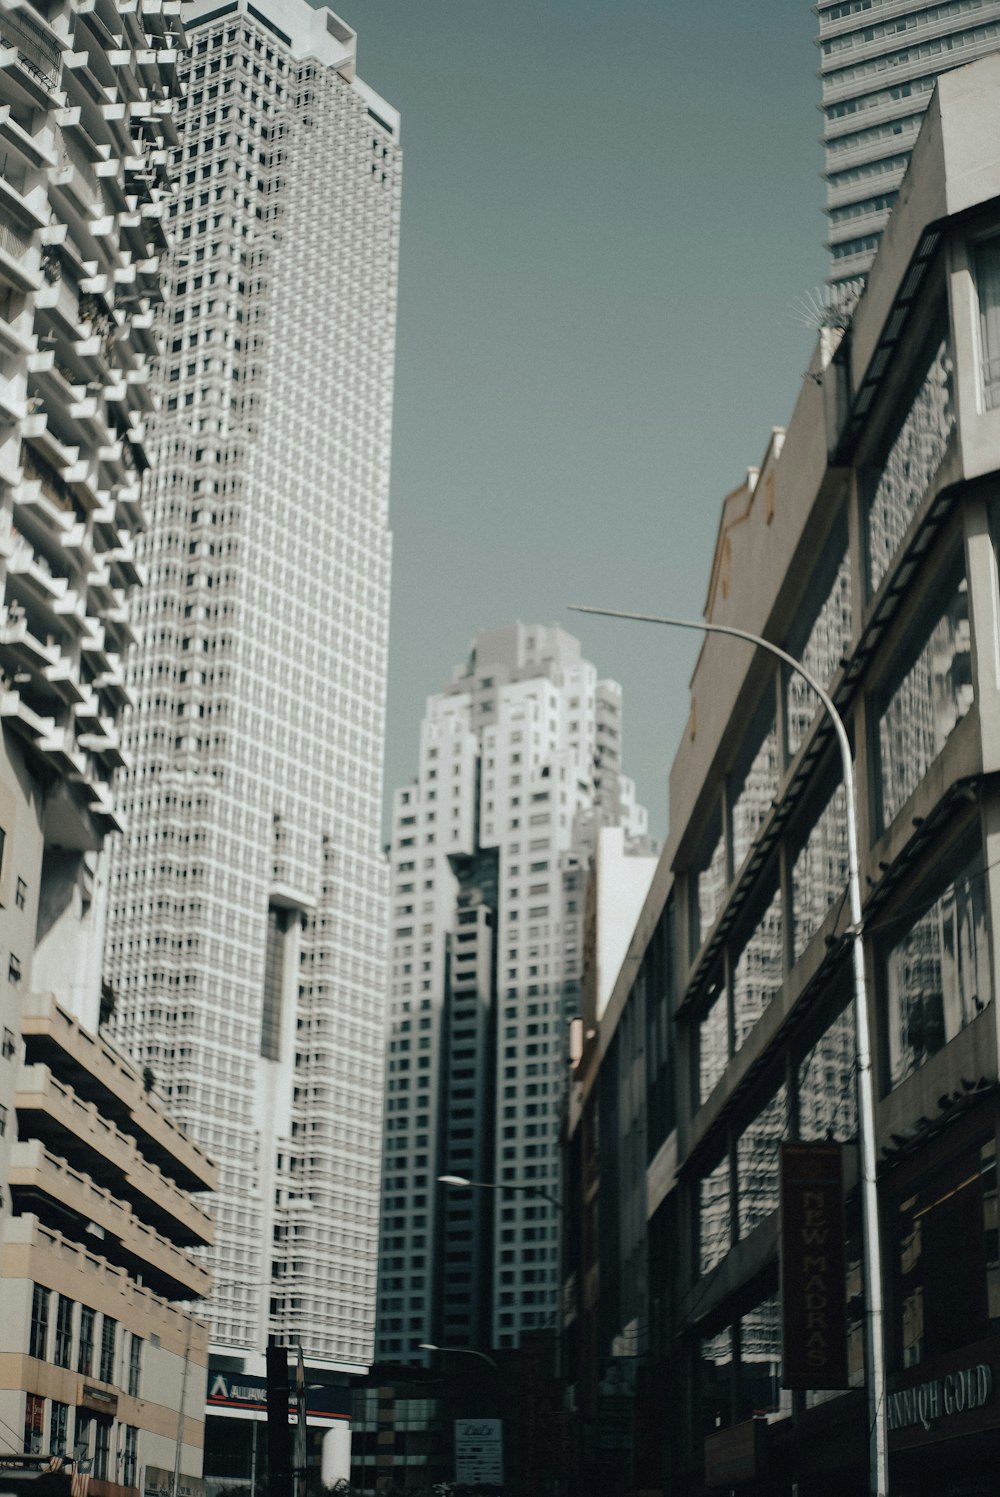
point(878, 1476)
point(461, 1182)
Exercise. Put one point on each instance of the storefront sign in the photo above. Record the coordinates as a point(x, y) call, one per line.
point(479, 1452)
point(237, 1392)
point(813, 1300)
point(955, 1393)
point(332, 1401)
point(98, 1400)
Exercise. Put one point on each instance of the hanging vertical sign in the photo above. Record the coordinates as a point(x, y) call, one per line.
point(813, 1291)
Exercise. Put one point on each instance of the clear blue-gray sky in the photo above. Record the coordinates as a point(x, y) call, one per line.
point(609, 211)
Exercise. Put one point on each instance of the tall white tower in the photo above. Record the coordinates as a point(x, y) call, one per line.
point(520, 763)
point(880, 61)
point(245, 939)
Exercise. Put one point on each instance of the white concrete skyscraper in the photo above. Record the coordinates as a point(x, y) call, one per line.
point(520, 764)
point(880, 61)
point(245, 937)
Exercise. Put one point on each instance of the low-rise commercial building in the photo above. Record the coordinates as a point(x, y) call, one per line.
point(866, 545)
point(98, 1246)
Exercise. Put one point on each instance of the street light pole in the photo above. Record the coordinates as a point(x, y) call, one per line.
point(531, 1190)
point(878, 1470)
point(462, 1351)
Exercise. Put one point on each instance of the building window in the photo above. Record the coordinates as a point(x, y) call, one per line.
point(81, 1442)
point(14, 969)
point(130, 1463)
point(758, 1387)
point(34, 1423)
point(819, 872)
point(64, 1332)
point(85, 1351)
point(828, 638)
point(932, 694)
point(987, 258)
point(59, 1429)
point(948, 1220)
point(911, 462)
point(109, 1329)
point(938, 975)
point(102, 1447)
point(39, 1335)
point(714, 1220)
point(8, 1043)
point(757, 1163)
point(828, 1099)
point(713, 1044)
point(758, 785)
point(711, 880)
point(757, 971)
point(20, 893)
point(134, 1365)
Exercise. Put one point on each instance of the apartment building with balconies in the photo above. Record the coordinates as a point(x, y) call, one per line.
point(866, 545)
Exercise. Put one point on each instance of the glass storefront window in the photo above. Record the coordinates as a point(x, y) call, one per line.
point(949, 1219)
point(753, 800)
point(757, 1163)
point(827, 641)
point(828, 1103)
point(931, 699)
point(713, 1045)
point(911, 463)
point(938, 975)
point(713, 1217)
point(757, 973)
point(819, 873)
point(759, 1390)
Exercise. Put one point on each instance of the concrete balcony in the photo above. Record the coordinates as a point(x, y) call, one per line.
point(74, 1130)
point(30, 1249)
point(39, 1177)
point(98, 1071)
point(19, 257)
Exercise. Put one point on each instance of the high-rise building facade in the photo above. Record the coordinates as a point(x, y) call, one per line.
point(520, 765)
point(731, 1031)
point(880, 60)
point(245, 938)
point(98, 1231)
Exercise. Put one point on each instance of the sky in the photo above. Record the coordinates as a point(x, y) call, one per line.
point(609, 215)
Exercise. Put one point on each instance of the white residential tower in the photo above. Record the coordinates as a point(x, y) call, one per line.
point(520, 764)
point(245, 939)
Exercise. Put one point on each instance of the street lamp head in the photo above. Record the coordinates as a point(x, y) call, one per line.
point(427, 1346)
point(453, 1180)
